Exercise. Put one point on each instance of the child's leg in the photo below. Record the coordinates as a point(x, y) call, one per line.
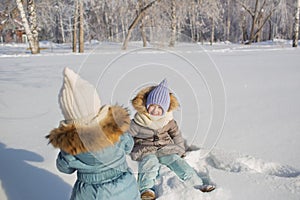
point(148, 171)
point(182, 169)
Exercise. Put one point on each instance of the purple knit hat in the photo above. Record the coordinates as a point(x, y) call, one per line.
point(160, 96)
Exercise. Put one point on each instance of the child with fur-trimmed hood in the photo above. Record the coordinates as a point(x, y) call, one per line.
point(93, 142)
point(158, 140)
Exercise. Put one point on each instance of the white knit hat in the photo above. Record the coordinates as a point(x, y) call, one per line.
point(78, 99)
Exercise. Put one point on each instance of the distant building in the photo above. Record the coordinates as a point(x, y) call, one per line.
point(11, 27)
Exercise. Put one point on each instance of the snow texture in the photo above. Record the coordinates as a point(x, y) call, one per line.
point(239, 113)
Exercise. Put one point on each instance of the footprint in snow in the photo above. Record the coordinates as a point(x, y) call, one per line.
point(234, 162)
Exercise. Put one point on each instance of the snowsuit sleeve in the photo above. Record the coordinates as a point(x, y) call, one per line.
point(176, 136)
point(68, 164)
point(126, 142)
point(63, 162)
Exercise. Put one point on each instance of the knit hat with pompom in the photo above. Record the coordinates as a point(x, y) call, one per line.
point(160, 95)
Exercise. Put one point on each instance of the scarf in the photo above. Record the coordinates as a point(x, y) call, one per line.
point(153, 122)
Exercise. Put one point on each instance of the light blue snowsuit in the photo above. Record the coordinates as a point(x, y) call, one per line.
point(103, 175)
point(149, 168)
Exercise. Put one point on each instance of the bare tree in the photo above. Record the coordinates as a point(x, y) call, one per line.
point(228, 21)
point(60, 33)
point(212, 33)
point(31, 25)
point(142, 28)
point(81, 28)
point(173, 23)
point(244, 26)
point(135, 22)
point(78, 13)
point(296, 25)
point(75, 24)
point(144, 37)
point(192, 16)
point(195, 20)
point(213, 12)
point(260, 14)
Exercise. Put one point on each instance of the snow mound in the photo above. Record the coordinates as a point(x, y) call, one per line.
point(249, 169)
point(169, 186)
point(235, 162)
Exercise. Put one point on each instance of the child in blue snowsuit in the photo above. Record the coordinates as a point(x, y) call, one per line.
point(93, 141)
point(158, 140)
point(102, 175)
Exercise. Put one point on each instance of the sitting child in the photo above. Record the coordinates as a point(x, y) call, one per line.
point(158, 140)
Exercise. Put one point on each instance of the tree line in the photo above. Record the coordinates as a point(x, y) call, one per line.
point(156, 21)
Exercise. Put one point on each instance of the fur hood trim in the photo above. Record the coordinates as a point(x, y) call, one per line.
point(139, 101)
point(75, 138)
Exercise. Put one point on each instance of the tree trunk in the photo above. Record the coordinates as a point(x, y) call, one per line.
point(244, 28)
point(33, 26)
point(270, 36)
point(117, 31)
point(212, 35)
point(142, 25)
point(111, 28)
point(62, 28)
point(195, 23)
point(31, 30)
point(296, 25)
point(253, 25)
point(144, 38)
point(228, 22)
point(75, 24)
point(193, 29)
point(81, 29)
point(173, 23)
point(198, 28)
point(259, 24)
point(123, 29)
point(258, 21)
point(135, 23)
point(105, 23)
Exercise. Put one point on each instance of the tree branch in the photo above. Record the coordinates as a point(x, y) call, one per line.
point(266, 19)
point(136, 21)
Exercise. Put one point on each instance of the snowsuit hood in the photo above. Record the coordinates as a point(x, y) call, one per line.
point(140, 100)
point(68, 136)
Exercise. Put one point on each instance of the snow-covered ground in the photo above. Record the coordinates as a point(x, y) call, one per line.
point(240, 111)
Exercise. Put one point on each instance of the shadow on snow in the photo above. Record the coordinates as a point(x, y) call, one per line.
point(20, 180)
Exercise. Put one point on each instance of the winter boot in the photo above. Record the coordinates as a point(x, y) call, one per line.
point(207, 188)
point(148, 194)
